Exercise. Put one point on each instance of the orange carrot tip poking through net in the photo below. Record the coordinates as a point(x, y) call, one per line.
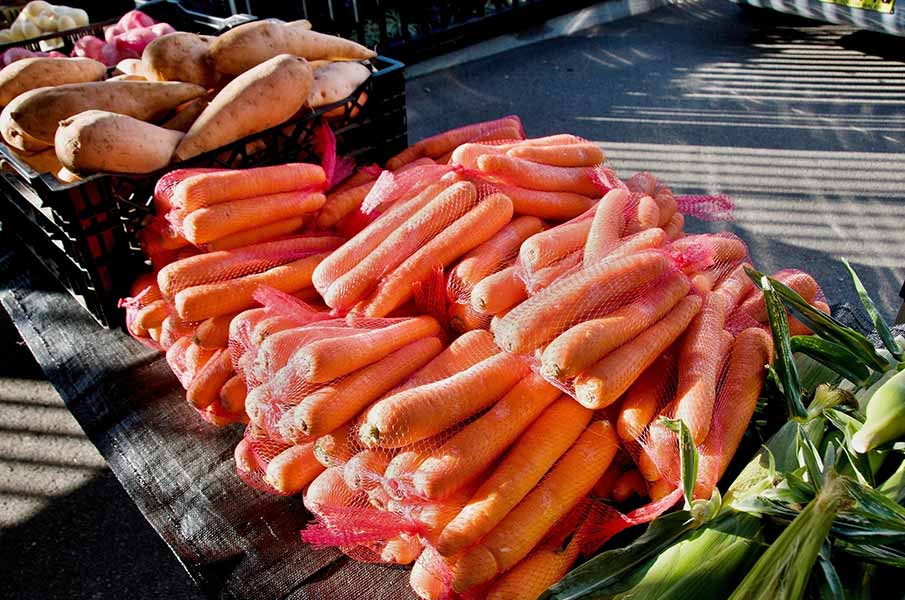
point(606, 228)
point(570, 480)
point(524, 173)
point(603, 383)
point(335, 448)
point(207, 189)
point(523, 466)
point(646, 215)
point(422, 412)
point(574, 297)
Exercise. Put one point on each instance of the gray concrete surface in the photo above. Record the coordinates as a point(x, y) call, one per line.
point(800, 122)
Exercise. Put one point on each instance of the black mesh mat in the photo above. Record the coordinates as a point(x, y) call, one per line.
point(235, 542)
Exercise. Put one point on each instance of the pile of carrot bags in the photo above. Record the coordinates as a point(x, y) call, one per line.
point(475, 360)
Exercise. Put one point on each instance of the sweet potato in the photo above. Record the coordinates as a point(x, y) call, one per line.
point(259, 99)
point(179, 56)
point(38, 112)
point(96, 140)
point(251, 44)
point(32, 73)
point(336, 81)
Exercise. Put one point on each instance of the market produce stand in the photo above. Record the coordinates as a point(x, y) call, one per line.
point(234, 541)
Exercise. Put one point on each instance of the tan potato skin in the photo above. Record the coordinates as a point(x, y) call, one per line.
point(335, 81)
point(99, 141)
point(32, 73)
point(259, 99)
point(38, 112)
point(179, 56)
point(240, 49)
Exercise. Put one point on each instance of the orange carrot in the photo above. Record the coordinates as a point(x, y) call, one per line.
point(176, 354)
point(629, 484)
point(644, 240)
point(214, 267)
point(363, 244)
point(355, 179)
point(335, 448)
point(462, 318)
point(171, 329)
point(292, 469)
point(414, 233)
point(660, 489)
point(646, 215)
point(751, 352)
point(603, 487)
point(331, 406)
point(214, 332)
point(232, 395)
point(703, 282)
point(601, 384)
point(474, 228)
point(734, 287)
point(208, 224)
point(426, 579)
point(498, 292)
point(419, 413)
point(463, 353)
point(447, 141)
point(557, 206)
point(408, 155)
point(492, 254)
point(547, 247)
point(643, 400)
point(324, 360)
point(213, 299)
point(530, 578)
point(243, 324)
point(206, 384)
point(467, 154)
point(402, 550)
point(573, 298)
point(329, 490)
point(584, 344)
point(541, 445)
point(280, 346)
point(561, 490)
point(154, 334)
point(360, 471)
point(196, 358)
point(700, 358)
point(151, 315)
point(339, 204)
point(546, 276)
point(478, 445)
point(207, 189)
point(523, 173)
point(799, 281)
point(724, 250)
point(565, 155)
point(675, 227)
point(606, 227)
point(256, 235)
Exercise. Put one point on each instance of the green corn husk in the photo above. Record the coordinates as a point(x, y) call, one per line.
point(782, 572)
point(885, 414)
point(704, 565)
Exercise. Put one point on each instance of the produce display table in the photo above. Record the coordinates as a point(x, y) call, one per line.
point(235, 542)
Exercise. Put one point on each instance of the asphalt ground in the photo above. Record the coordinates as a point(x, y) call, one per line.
point(799, 122)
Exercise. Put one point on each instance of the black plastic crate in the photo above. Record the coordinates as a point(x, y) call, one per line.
point(88, 229)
